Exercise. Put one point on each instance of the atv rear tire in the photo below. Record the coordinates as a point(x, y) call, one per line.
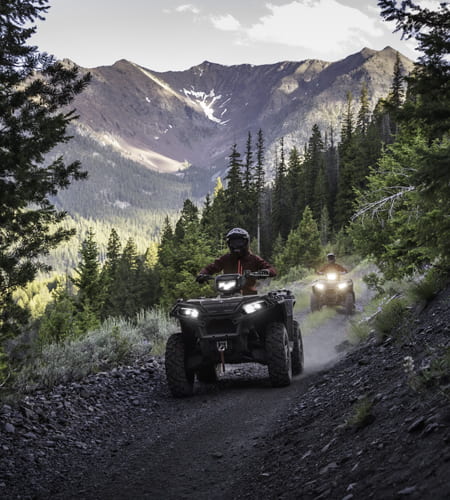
point(278, 355)
point(297, 351)
point(315, 304)
point(207, 374)
point(179, 379)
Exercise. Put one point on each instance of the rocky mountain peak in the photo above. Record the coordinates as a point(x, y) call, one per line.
point(195, 115)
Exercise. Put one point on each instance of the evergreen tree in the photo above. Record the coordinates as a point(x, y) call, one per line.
point(314, 161)
point(303, 246)
point(127, 291)
point(403, 216)
point(234, 193)
point(109, 272)
point(181, 256)
point(33, 88)
point(259, 183)
point(348, 157)
point(296, 184)
point(59, 320)
point(320, 200)
point(429, 84)
point(324, 226)
point(331, 161)
point(213, 221)
point(90, 287)
point(280, 197)
point(250, 201)
point(363, 120)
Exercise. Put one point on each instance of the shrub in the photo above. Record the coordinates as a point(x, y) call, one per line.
point(429, 286)
point(116, 342)
point(362, 414)
point(390, 318)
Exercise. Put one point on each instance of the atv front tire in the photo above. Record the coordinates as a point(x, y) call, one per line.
point(349, 304)
point(297, 351)
point(315, 303)
point(179, 379)
point(278, 355)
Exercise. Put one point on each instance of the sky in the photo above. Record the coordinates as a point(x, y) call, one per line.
point(174, 35)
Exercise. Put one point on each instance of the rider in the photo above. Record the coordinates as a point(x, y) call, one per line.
point(332, 266)
point(238, 260)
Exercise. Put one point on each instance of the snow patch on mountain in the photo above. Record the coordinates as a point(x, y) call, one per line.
point(121, 204)
point(206, 102)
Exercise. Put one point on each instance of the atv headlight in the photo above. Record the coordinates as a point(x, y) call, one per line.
point(253, 307)
point(189, 312)
point(331, 276)
point(226, 286)
point(342, 285)
point(320, 286)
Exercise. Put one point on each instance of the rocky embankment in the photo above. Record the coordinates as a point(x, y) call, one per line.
point(361, 428)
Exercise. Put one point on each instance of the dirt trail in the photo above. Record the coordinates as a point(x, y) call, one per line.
point(197, 447)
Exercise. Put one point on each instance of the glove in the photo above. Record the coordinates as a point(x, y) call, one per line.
point(201, 278)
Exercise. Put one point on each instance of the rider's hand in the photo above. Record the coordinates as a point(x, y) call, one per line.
point(201, 278)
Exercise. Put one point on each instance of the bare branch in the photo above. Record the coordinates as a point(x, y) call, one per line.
point(387, 203)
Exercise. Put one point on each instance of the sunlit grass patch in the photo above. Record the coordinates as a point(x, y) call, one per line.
point(116, 342)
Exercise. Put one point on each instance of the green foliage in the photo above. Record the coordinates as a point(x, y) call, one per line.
point(391, 318)
point(88, 282)
point(436, 374)
point(362, 413)
point(303, 247)
point(182, 253)
point(395, 224)
point(426, 288)
point(117, 341)
point(65, 318)
point(375, 281)
point(403, 214)
point(34, 88)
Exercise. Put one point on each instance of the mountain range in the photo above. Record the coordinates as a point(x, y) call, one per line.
point(169, 121)
point(149, 140)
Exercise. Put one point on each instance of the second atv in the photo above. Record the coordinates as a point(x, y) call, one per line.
point(233, 328)
point(333, 290)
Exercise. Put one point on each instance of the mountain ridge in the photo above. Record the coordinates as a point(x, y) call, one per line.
point(169, 120)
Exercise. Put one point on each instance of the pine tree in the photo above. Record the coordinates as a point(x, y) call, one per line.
point(429, 83)
point(126, 290)
point(363, 120)
point(302, 247)
point(347, 157)
point(181, 256)
point(89, 283)
point(109, 272)
point(259, 183)
point(296, 186)
point(33, 88)
point(213, 221)
point(250, 192)
point(280, 197)
point(234, 193)
point(314, 161)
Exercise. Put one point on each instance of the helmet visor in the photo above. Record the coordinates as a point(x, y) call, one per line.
point(237, 243)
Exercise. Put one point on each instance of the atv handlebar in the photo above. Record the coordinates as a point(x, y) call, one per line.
point(259, 275)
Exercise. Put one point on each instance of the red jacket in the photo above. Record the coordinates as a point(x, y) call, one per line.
point(230, 263)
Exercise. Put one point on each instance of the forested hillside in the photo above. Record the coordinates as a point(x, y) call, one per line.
point(118, 193)
point(378, 189)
